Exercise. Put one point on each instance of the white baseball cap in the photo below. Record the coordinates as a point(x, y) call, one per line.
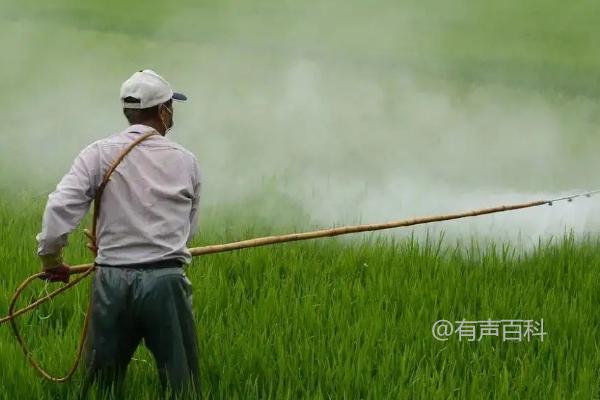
point(147, 89)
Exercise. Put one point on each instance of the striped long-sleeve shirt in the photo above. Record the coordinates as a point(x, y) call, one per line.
point(149, 207)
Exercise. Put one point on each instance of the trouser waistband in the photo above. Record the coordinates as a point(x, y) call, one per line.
point(173, 263)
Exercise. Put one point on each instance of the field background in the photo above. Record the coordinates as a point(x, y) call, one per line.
point(334, 113)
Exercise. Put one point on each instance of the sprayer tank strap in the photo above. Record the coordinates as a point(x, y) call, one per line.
point(106, 179)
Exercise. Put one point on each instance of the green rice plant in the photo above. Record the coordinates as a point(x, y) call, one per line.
point(342, 319)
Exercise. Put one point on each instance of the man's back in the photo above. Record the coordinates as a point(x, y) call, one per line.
point(149, 208)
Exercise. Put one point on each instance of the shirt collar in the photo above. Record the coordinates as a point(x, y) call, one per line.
point(141, 129)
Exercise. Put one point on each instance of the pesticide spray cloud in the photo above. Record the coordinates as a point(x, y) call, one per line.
point(368, 115)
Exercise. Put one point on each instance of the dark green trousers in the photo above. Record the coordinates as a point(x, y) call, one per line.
point(130, 305)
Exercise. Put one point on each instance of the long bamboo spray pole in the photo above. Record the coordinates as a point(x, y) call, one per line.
point(292, 237)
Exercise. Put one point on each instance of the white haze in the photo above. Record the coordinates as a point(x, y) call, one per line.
point(345, 138)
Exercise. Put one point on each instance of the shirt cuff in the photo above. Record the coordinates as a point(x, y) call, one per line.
point(51, 260)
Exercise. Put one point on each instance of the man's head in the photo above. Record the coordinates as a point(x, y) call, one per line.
point(159, 117)
point(147, 98)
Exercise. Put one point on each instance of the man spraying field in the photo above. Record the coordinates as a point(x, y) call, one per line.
point(150, 188)
point(149, 213)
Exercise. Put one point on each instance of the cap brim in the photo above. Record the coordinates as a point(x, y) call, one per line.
point(179, 96)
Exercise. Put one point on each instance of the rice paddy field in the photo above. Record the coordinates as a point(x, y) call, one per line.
point(305, 116)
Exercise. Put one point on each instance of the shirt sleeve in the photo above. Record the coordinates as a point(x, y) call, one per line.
point(195, 201)
point(66, 207)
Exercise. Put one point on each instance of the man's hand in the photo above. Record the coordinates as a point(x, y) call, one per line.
point(54, 267)
point(57, 274)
